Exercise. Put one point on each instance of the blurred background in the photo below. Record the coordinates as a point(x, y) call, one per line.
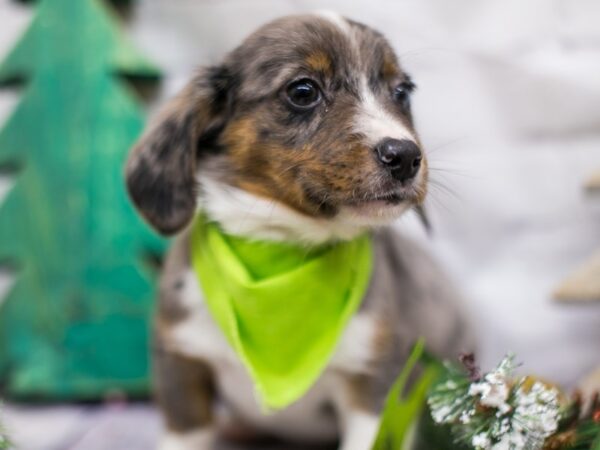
point(508, 106)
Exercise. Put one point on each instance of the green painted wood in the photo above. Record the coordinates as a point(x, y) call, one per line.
point(75, 323)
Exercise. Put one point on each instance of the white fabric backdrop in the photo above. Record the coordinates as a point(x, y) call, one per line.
point(509, 107)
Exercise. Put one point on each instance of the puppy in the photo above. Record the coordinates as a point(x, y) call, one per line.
point(303, 134)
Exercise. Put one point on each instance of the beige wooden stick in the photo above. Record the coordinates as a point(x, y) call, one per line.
point(593, 183)
point(583, 285)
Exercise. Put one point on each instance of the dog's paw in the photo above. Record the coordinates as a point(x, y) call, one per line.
point(203, 439)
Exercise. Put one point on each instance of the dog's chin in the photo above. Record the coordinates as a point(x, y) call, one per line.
point(242, 213)
point(374, 212)
point(380, 209)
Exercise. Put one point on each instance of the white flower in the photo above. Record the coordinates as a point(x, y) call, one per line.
point(500, 428)
point(481, 441)
point(511, 441)
point(440, 414)
point(503, 409)
point(517, 440)
point(465, 416)
point(537, 411)
point(493, 391)
point(503, 444)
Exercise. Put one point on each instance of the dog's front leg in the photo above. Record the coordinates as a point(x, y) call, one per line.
point(359, 430)
point(185, 391)
point(357, 415)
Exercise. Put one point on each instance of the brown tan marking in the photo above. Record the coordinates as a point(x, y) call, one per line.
point(390, 67)
point(319, 61)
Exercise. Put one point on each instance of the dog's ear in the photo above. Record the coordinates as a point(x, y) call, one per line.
point(161, 170)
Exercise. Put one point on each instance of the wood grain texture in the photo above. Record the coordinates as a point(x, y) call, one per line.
point(75, 323)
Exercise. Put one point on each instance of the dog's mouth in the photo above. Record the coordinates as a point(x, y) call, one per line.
point(390, 198)
point(384, 205)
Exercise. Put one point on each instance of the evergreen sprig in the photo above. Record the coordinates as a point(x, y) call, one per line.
point(495, 411)
point(468, 410)
point(580, 427)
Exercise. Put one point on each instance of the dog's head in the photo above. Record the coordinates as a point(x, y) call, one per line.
point(309, 119)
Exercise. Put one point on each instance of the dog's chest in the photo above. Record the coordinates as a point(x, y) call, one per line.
point(198, 336)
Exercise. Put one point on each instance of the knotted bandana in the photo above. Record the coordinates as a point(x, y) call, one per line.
point(281, 306)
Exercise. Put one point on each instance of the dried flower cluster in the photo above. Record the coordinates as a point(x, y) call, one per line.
point(493, 412)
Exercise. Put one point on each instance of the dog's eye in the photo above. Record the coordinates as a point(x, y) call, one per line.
point(401, 94)
point(303, 94)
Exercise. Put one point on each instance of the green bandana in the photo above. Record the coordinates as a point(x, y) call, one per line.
point(282, 307)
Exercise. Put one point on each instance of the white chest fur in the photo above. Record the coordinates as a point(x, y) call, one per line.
point(198, 336)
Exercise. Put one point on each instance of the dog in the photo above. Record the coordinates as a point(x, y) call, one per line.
point(303, 134)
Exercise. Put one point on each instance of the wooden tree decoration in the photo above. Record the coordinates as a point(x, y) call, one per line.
point(584, 283)
point(75, 323)
point(593, 184)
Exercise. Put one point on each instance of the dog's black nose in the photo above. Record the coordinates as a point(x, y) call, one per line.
point(403, 157)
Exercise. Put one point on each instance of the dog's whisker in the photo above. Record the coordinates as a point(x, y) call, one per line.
point(436, 148)
point(438, 204)
point(441, 171)
point(444, 187)
point(443, 198)
point(453, 171)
